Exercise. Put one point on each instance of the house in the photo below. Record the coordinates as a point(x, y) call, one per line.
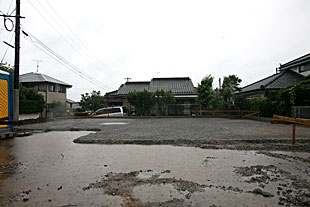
point(287, 75)
point(53, 90)
point(299, 65)
point(274, 82)
point(71, 105)
point(182, 89)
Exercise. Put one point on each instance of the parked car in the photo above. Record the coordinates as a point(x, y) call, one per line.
point(114, 111)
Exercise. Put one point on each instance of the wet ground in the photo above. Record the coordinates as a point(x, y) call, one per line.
point(208, 133)
point(49, 169)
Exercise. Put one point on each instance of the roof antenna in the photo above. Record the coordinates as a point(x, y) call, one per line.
point(38, 61)
point(157, 74)
point(127, 79)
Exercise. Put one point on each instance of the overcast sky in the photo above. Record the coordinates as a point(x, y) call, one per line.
point(112, 40)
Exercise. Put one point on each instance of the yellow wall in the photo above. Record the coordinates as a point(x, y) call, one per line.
point(4, 100)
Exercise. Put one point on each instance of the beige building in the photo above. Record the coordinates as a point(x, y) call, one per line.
point(52, 89)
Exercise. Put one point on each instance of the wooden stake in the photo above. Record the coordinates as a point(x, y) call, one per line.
point(293, 133)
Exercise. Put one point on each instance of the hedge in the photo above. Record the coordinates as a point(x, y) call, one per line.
point(30, 107)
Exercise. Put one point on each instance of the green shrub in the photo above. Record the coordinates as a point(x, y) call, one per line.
point(30, 106)
point(143, 102)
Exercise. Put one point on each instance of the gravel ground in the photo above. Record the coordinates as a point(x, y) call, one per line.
point(213, 133)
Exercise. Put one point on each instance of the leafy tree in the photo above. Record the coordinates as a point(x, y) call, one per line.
point(163, 99)
point(143, 102)
point(92, 101)
point(241, 103)
point(6, 67)
point(30, 101)
point(216, 102)
point(205, 91)
point(229, 86)
point(294, 96)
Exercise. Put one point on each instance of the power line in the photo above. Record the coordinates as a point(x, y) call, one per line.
point(57, 60)
point(78, 51)
point(10, 6)
point(7, 49)
point(76, 35)
point(67, 63)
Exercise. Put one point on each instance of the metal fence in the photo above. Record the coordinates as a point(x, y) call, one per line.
point(183, 109)
point(302, 112)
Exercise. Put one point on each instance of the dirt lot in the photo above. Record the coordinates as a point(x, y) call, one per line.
point(210, 133)
point(48, 169)
point(187, 162)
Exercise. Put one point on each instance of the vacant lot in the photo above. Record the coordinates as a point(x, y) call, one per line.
point(213, 133)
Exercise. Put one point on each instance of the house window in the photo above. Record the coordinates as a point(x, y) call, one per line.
point(61, 89)
point(305, 67)
point(52, 88)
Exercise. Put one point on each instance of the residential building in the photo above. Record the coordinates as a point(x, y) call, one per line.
point(71, 105)
point(53, 90)
point(182, 89)
point(287, 75)
point(299, 65)
point(274, 82)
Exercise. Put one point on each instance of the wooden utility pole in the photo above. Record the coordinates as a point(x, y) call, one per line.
point(16, 63)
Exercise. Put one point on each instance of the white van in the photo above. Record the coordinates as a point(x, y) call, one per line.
point(114, 111)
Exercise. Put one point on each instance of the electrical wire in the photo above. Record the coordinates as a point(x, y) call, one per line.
point(76, 35)
point(7, 49)
point(10, 6)
point(5, 26)
point(78, 51)
point(67, 63)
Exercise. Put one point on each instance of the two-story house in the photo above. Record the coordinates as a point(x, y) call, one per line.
point(52, 89)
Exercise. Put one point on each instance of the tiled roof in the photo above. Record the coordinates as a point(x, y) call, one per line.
point(297, 61)
point(39, 77)
point(112, 93)
point(175, 85)
point(71, 101)
point(128, 87)
point(277, 81)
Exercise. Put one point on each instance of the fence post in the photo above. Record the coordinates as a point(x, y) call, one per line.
point(293, 133)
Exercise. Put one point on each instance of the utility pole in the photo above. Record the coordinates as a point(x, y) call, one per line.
point(38, 61)
point(16, 63)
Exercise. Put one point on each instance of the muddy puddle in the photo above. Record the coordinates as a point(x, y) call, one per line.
point(48, 169)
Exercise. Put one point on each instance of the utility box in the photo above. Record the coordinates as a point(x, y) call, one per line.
point(6, 104)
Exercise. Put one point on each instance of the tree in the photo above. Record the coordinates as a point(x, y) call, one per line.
point(143, 102)
point(6, 67)
point(294, 96)
point(163, 99)
point(229, 86)
point(92, 101)
point(30, 101)
point(205, 91)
